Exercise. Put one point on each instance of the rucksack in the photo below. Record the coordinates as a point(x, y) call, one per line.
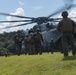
point(66, 25)
point(37, 37)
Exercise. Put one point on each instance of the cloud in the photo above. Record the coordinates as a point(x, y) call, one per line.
point(73, 13)
point(36, 8)
point(19, 11)
point(21, 3)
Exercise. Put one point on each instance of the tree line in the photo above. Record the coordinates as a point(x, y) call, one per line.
point(7, 44)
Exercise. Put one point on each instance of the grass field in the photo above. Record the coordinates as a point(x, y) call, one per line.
point(45, 64)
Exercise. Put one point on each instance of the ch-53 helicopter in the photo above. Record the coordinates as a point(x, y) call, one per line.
point(46, 24)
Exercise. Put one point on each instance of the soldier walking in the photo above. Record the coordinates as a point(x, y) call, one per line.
point(31, 44)
point(66, 27)
point(26, 44)
point(18, 41)
point(52, 45)
point(37, 41)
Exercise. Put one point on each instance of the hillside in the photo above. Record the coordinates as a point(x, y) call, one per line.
point(45, 64)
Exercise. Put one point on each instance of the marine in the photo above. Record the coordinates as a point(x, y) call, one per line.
point(26, 44)
point(18, 41)
point(31, 44)
point(38, 39)
point(66, 27)
point(52, 45)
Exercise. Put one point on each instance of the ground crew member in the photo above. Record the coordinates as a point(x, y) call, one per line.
point(66, 27)
point(37, 41)
point(18, 41)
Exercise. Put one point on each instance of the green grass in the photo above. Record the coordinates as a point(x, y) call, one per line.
point(45, 64)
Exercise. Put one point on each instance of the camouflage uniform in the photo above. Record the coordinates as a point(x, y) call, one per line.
point(26, 44)
point(31, 44)
point(66, 27)
point(37, 41)
point(18, 41)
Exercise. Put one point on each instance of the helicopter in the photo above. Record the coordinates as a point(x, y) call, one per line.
point(46, 24)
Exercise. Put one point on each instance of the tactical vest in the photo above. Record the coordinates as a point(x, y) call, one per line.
point(30, 40)
point(66, 25)
point(37, 37)
point(18, 38)
point(26, 40)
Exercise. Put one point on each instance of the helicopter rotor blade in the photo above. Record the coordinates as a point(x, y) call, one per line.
point(15, 21)
point(15, 15)
point(60, 10)
point(72, 17)
point(55, 21)
point(61, 18)
point(16, 25)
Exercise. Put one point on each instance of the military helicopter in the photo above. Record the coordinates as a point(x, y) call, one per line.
point(46, 24)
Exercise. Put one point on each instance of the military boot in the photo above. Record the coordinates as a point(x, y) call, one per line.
point(74, 53)
point(65, 54)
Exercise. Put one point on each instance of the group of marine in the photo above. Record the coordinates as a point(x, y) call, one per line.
point(32, 42)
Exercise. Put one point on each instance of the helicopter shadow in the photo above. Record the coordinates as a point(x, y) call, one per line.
point(69, 58)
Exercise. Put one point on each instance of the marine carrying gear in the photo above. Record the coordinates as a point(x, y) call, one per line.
point(66, 25)
point(18, 38)
point(38, 37)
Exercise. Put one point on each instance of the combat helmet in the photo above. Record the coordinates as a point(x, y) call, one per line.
point(31, 34)
point(64, 13)
point(18, 31)
point(37, 29)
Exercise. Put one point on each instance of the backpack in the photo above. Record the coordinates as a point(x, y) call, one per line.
point(18, 38)
point(37, 37)
point(66, 25)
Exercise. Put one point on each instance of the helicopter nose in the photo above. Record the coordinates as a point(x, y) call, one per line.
point(67, 2)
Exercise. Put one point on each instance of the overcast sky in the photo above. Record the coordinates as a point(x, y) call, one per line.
point(31, 8)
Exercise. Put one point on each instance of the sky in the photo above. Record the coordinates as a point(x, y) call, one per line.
point(29, 8)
